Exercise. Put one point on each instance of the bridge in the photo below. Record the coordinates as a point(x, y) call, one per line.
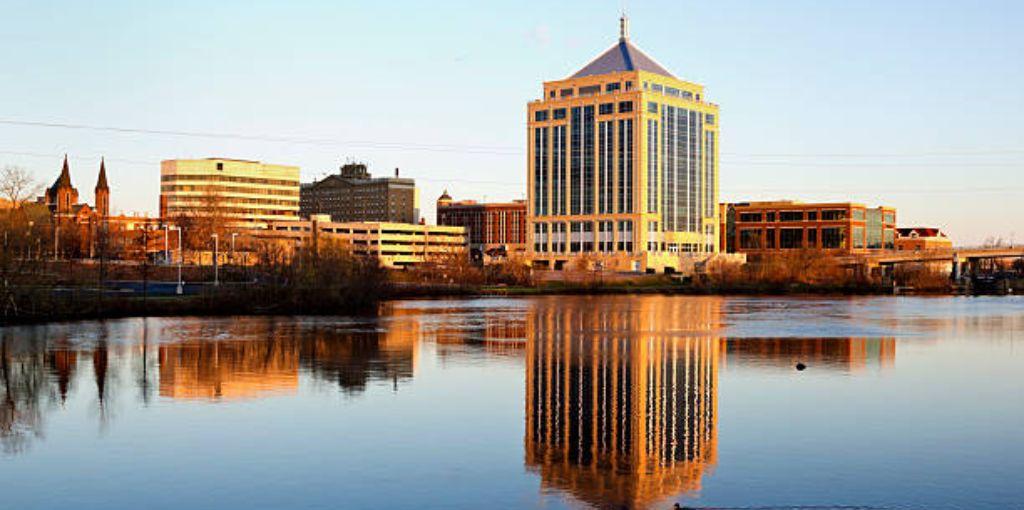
point(964, 262)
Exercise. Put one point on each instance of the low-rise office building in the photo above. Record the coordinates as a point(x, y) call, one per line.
point(777, 226)
point(396, 245)
point(496, 230)
point(922, 239)
point(245, 194)
point(354, 195)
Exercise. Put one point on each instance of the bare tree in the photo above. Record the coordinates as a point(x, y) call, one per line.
point(17, 186)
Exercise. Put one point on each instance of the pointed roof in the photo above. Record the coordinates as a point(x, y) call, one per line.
point(64, 179)
point(623, 56)
point(101, 181)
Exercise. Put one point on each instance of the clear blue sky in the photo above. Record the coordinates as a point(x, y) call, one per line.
point(916, 104)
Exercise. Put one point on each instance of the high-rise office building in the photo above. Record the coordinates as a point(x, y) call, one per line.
point(354, 195)
point(496, 230)
point(622, 166)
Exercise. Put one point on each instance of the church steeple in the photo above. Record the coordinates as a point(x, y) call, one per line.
point(62, 195)
point(102, 191)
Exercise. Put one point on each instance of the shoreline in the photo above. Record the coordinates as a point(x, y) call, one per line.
point(217, 304)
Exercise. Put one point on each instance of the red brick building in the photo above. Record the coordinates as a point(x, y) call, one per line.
point(841, 227)
point(495, 230)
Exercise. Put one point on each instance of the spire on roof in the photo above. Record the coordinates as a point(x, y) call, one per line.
point(64, 179)
point(101, 181)
point(621, 57)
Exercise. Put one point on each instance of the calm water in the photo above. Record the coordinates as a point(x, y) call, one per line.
point(635, 401)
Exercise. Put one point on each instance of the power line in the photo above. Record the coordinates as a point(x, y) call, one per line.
point(522, 184)
point(470, 149)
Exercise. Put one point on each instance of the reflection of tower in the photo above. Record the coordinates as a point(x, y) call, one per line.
point(100, 361)
point(620, 413)
point(62, 363)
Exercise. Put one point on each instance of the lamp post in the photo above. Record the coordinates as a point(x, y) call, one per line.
point(167, 248)
point(216, 275)
point(181, 258)
point(233, 236)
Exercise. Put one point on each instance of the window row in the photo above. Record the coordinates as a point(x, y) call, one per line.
point(590, 90)
point(583, 237)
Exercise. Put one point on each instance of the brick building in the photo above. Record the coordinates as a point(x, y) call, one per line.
point(495, 230)
point(847, 227)
point(354, 195)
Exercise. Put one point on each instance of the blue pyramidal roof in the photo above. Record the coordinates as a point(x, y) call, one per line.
point(624, 56)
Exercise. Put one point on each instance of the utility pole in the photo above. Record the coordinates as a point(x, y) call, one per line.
point(181, 259)
point(216, 275)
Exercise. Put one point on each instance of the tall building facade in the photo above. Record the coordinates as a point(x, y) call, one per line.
point(622, 166)
point(495, 229)
point(354, 195)
point(244, 193)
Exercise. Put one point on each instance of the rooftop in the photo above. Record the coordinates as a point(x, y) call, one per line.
point(623, 56)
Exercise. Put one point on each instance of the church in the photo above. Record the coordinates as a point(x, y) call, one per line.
point(62, 198)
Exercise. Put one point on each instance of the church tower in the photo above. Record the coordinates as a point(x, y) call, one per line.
point(62, 196)
point(102, 192)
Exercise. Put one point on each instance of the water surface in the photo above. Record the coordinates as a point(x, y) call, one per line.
point(613, 401)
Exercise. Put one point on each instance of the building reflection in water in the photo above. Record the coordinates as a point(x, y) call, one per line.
point(621, 397)
point(269, 358)
point(844, 354)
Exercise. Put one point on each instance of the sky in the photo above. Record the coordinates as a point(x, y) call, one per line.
point(915, 104)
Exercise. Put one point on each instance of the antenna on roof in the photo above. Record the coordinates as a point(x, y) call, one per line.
point(623, 24)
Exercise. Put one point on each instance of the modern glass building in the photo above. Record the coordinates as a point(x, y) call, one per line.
point(622, 167)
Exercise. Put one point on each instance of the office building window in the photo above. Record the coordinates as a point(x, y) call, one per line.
point(611, 87)
point(652, 107)
point(558, 113)
point(833, 237)
point(769, 217)
point(625, 106)
point(540, 115)
point(833, 215)
point(812, 237)
point(750, 239)
point(625, 166)
point(565, 93)
point(791, 216)
point(858, 237)
point(791, 238)
point(606, 109)
point(590, 90)
point(605, 166)
point(605, 236)
point(625, 236)
point(750, 217)
point(652, 166)
point(559, 184)
point(541, 171)
point(812, 215)
point(769, 238)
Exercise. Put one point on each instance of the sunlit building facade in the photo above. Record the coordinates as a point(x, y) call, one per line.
point(622, 166)
point(243, 193)
point(785, 225)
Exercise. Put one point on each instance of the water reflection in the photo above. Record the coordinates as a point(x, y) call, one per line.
point(843, 354)
point(620, 401)
point(621, 393)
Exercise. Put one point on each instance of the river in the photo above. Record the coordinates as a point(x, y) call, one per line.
point(554, 402)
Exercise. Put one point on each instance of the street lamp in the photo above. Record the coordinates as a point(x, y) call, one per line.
point(181, 257)
point(216, 275)
point(167, 249)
